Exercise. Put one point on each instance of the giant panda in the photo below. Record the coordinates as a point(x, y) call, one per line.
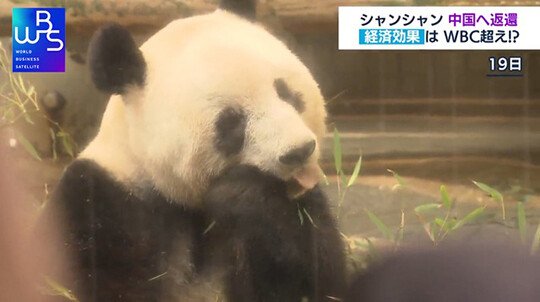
point(201, 184)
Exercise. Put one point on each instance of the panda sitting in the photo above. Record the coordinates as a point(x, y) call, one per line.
point(195, 187)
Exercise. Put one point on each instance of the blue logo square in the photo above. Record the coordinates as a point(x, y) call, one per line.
point(39, 37)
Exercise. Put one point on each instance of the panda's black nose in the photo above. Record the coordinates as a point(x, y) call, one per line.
point(298, 155)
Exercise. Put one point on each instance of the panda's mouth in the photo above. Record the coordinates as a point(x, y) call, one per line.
point(303, 180)
point(308, 176)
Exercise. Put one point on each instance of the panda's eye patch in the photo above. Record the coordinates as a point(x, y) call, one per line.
point(230, 128)
point(291, 97)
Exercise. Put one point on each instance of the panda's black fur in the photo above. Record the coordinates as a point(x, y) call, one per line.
point(115, 60)
point(230, 131)
point(252, 229)
point(130, 243)
point(117, 242)
point(276, 255)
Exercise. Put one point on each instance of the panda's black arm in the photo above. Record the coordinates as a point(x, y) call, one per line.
point(276, 255)
point(329, 250)
point(115, 242)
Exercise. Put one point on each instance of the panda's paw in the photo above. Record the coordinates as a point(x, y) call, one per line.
point(244, 189)
point(247, 177)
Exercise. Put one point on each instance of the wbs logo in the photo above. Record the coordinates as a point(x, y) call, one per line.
point(38, 39)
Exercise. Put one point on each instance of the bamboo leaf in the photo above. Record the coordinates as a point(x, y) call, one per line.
point(11, 100)
point(27, 118)
point(356, 171)
point(447, 203)
point(469, 218)
point(325, 179)
point(373, 252)
point(342, 178)
point(522, 223)
point(451, 224)
point(536, 241)
point(31, 91)
point(428, 228)
point(53, 143)
point(399, 235)
point(300, 215)
point(59, 290)
point(426, 207)
point(494, 194)
point(27, 145)
point(337, 151)
point(380, 225)
point(309, 217)
point(397, 177)
point(442, 224)
point(158, 276)
point(68, 146)
point(209, 227)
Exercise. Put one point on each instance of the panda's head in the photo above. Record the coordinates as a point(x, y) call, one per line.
point(203, 94)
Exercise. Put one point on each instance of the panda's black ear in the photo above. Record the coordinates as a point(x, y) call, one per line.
point(115, 60)
point(244, 8)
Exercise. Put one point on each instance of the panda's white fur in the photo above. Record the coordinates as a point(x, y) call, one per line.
point(163, 132)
